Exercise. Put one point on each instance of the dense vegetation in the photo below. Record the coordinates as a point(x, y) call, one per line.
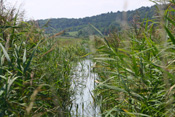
point(35, 73)
point(135, 65)
point(136, 69)
point(106, 22)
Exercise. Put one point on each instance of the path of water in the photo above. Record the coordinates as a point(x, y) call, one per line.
point(83, 84)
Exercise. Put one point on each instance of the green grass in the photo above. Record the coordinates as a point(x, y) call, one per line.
point(69, 41)
point(74, 34)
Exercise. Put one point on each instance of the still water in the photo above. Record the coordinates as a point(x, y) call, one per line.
point(83, 84)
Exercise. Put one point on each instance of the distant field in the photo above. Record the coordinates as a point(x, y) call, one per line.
point(69, 41)
point(73, 33)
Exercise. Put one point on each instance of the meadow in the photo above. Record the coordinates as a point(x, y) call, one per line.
point(135, 67)
point(65, 41)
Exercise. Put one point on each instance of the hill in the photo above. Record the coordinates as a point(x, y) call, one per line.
point(104, 22)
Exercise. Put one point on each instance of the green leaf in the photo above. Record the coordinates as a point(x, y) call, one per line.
point(171, 21)
point(29, 61)
point(5, 53)
point(24, 56)
point(170, 35)
point(113, 88)
point(1, 27)
point(139, 114)
point(3, 77)
point(10, 82)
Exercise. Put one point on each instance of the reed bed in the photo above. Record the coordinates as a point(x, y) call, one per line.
point(35, 73)
point(136, 70)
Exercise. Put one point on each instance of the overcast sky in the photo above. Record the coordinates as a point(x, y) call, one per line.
point(42, 9)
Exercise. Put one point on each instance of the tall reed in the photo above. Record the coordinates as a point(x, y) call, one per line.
point(138, 79)
point(35, 73)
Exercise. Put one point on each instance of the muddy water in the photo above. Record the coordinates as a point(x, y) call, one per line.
point(83, 84)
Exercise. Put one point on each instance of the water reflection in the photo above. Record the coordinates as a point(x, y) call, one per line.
point(83, 83)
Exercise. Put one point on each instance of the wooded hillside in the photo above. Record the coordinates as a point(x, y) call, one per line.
point(104, 22)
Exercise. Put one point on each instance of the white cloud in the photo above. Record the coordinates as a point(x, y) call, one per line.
point(41, 9)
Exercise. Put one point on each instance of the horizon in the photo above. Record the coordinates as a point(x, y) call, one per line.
point(75, 10)
point(94, 15)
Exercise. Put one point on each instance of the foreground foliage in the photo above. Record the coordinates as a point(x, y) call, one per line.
point(136, 69)
point(35, 74)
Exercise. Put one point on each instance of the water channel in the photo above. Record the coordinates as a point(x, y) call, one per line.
point(83, 84)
